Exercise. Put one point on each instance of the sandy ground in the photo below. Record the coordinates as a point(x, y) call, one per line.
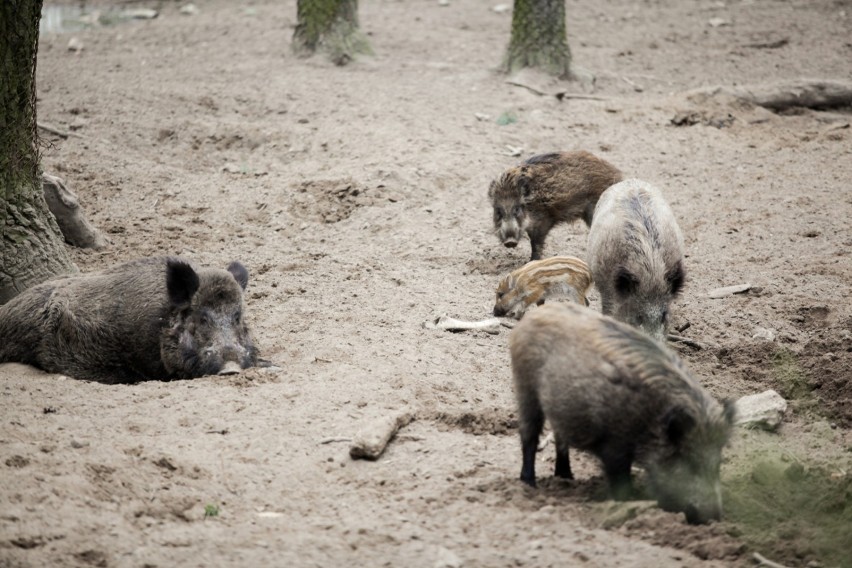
point(357, 198)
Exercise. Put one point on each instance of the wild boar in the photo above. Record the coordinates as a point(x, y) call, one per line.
point(636, 255)
point(611, 390)
point(547, 190)
point(154, 318)
point(558, 277)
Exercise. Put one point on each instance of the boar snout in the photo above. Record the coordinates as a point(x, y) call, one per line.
point(510, 243)
point(230, 368)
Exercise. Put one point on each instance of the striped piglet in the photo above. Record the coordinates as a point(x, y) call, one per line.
point(558, 277)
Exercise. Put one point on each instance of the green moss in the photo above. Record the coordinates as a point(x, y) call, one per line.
point(796, 511)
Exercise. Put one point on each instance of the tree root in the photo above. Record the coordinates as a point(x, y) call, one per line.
point(65, 206)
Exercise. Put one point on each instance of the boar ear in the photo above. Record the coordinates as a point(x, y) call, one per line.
point(525, 185)
point(181, 282)
point(625, 282)
point(678, 422)
point(240, 273)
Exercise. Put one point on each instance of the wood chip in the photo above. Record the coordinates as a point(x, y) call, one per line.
point(372, 440)
point(728, 291)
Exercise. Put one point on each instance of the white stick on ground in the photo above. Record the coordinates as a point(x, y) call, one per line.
point(445, 322)
point(371, 441)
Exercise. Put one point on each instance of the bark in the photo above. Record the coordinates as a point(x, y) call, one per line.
point(330, 26)
point(31, 247)
point(539, 38)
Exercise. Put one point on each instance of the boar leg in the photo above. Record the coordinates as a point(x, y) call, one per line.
point(617, 462)
point(563, 462)
point(537, 243)
point(531, 423)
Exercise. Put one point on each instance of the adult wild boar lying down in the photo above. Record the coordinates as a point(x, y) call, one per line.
point(153, 318)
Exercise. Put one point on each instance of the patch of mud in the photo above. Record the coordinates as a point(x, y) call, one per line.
point(496, 422)
point(814, 378)
point(708, 542)
point(331, 201)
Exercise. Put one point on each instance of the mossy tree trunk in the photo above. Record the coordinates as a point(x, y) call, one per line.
point(31, 247)
point(330, 26)
point(539, 38)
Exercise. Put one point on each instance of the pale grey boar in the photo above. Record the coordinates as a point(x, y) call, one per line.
point(636, 255)
point(558, 277)
point(154, 318)
point(547, 190)
point(611, 390)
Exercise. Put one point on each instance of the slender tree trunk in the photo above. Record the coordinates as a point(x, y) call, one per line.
point(31, 247)
point(330, 26)
point(539, 38)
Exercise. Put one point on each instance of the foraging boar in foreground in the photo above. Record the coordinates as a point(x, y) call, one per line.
point(547, 190)
point(153, 318)
point(636, 256)
point(609, 389)
point(552, 278)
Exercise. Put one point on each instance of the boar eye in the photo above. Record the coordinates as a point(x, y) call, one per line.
point(499, 212)
point(518, 211)
point(625, 282)
point(675, 278)
point(204, 319)
point(665, 317)
point(500, 294)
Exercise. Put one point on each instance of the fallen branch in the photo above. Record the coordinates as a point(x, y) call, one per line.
point(763, 561)
point(444, 322)
point(371, 441)
point(58, 132)
point(808, 93)
point(680, 339)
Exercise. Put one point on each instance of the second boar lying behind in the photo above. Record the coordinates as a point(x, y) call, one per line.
point(553, 278)
point(636, 255)
point(154, 318)
point(609, 389)
point(546, 190)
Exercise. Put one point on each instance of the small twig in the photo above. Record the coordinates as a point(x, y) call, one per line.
point(58, 132)
point(223, 431)
point(765, 561)
point(321, 360)
point(683, 327)
point(636, 87)
point(685, 341)
point(335, 439)
point(559, 95)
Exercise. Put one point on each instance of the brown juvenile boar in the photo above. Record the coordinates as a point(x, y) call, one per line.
point(154, 318)
point(611, 390)
point(558, 277)
point(546, 190)
point(636, 256)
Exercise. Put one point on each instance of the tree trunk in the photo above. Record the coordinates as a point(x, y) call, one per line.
point(539, 38)
point(31, 247)
point(330, 26)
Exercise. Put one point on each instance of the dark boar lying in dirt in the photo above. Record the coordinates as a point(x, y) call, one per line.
point(558, 277)
point(546, 190)
point(154, 318)
point(609, 389)
point(636, 256)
